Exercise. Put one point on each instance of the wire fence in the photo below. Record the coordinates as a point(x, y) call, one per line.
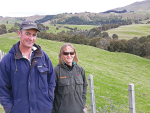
point(110, 103)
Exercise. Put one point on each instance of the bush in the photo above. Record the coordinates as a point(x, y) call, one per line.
point(142, 39)
point(114, 36)
point(79, 39)
point(93, 41)
point(2, 31)
point(95, 32)
point(134, 47)
point(12, 30)
point(103, 44)
point(105, 35)
point(117, 46)
point(3, 26)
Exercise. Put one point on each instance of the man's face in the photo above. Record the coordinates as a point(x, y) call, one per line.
point(27, 38)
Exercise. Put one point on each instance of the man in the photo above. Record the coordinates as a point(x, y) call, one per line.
point(27, 78)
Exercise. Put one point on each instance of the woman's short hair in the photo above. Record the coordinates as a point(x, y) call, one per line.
point(62, 50)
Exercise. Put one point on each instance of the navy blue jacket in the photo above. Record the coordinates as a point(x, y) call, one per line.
point(26, 87)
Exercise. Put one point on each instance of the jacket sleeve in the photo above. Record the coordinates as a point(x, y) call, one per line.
point(51, 78)
point(5, 86)
point(85, 84)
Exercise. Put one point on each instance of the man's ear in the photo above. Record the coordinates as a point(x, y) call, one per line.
point(19, 33)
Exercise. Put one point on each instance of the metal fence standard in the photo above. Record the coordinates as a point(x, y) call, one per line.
point(92, 96)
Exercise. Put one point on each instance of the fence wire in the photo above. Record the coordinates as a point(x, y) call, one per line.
point(117, 102)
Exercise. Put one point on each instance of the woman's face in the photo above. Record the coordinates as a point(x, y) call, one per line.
point(68, 55)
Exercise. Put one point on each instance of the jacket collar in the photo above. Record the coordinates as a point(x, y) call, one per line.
point(18, 54)
point(67, 67)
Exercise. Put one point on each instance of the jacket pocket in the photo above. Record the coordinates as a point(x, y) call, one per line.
point(79, 84)
point(43, 84)
point(63, 86)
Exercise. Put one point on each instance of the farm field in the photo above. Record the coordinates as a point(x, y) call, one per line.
point(130, 31)
point(112, 73)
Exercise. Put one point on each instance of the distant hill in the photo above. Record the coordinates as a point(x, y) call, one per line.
point(137, 11)
point(137, 7)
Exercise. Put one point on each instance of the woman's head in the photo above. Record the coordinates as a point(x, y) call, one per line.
point(68, 54)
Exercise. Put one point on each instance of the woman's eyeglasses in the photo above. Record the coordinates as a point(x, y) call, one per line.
point(67, 53)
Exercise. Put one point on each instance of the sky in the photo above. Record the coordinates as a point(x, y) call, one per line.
point(24, 8)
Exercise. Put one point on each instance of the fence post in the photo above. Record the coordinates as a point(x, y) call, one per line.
point(92, 96)
point(0, 55)
point(131, 98)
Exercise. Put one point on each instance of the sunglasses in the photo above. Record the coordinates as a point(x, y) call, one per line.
point(67, 53)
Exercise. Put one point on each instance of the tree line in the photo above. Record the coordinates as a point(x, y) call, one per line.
point(96, 37)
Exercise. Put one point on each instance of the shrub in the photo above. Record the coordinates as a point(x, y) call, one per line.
point(117, 46)
point(93, 41)
point(12, 30)
point(114, 36)
point(105, 35)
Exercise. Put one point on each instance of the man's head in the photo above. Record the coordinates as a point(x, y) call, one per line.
point(27, 33)
point(27, 24)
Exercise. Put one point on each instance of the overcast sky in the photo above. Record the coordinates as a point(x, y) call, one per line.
point(23, 8)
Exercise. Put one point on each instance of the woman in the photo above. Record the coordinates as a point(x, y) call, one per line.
point(71, 83)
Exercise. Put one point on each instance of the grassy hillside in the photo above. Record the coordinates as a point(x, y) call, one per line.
point(130, 31)
point(112, 73)
point(82, 27)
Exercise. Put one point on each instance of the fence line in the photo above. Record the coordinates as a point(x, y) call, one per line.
point(122, 87)
point(131, 97)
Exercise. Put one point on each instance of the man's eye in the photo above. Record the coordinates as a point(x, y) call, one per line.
point(27, 33)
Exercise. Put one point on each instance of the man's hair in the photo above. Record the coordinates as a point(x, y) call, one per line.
point(62, 50)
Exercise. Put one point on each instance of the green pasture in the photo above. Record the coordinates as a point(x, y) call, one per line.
point(112, 73)
point(130, 31)
point(82, 27)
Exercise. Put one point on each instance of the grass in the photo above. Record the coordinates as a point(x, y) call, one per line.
point(130, 31)
point(112, 73)
point(10, 35)
point(82, 27)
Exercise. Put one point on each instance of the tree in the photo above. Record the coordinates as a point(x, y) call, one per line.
point(114, 36)
point(3, 29)
point(94, 40)
point(134, 47)
point(142, 39)
point(95, 32)
point(3, 26)
point(105, 35)
point(103, 44)
point(12, 30)
point(57, 28)
point(79, 39)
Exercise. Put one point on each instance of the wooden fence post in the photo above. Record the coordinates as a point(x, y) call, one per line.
point(92, 96)
point(131, 98)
